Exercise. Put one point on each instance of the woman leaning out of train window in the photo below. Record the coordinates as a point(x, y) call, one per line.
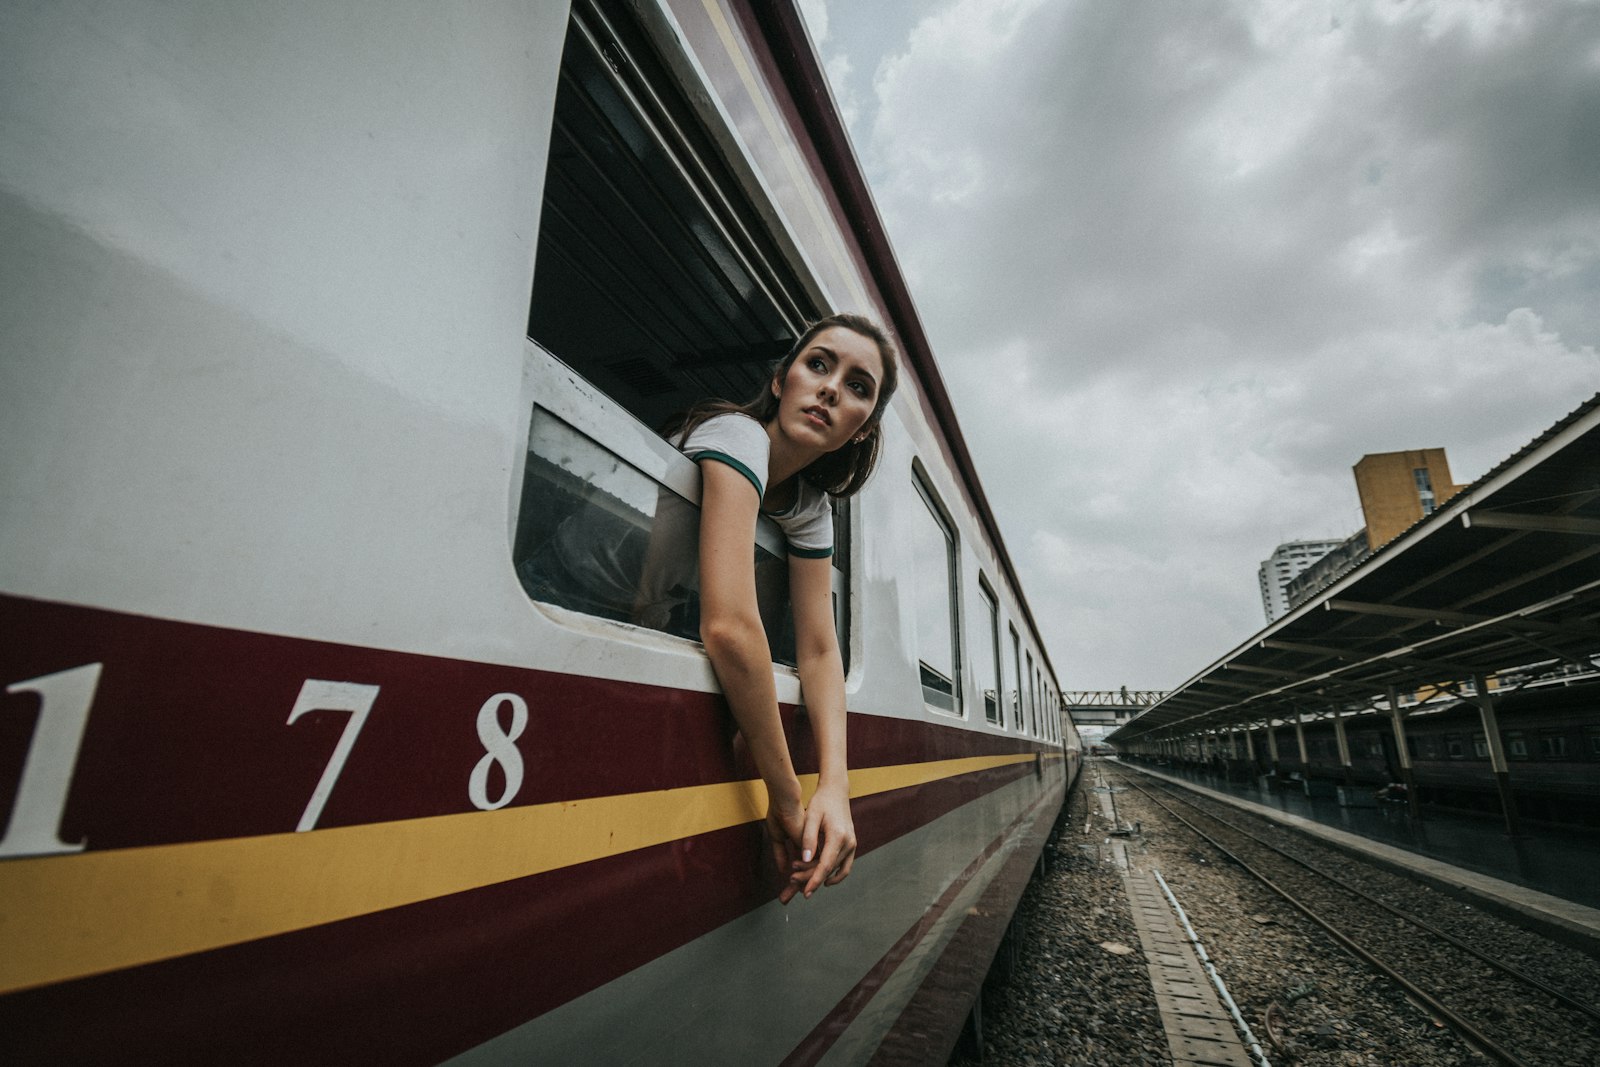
point(813, 433)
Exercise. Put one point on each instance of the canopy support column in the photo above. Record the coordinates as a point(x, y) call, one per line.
point(1497, 751)
point(1403, 754)
point(1346, 773)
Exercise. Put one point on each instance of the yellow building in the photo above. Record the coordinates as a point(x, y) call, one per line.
point(1399, 489)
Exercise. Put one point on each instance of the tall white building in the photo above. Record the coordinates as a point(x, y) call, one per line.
point(1287, 561)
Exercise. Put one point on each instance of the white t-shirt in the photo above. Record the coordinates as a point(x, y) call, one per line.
point(742, 443)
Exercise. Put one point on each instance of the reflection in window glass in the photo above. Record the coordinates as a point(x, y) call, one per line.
point(597, 535)
point(933, 547)
point(986, 654)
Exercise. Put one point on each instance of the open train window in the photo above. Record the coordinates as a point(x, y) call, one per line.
point(936, 595)
point(657, 283)
point(655, 278)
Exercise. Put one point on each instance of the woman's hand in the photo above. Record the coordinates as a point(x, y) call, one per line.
point(786, 824)
point(827, 844)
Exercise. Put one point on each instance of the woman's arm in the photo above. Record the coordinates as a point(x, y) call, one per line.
point(730, 627)
point(828, 823)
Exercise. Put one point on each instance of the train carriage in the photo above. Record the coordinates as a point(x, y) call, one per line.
point(1549, 730)
point(323, 328)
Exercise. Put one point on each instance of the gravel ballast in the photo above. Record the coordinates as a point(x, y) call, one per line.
point(1081, 993)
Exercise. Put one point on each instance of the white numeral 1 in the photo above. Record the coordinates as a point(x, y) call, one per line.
point(317, 695)
point(35, 823)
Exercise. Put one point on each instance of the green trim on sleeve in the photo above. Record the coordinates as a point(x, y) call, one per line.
point(723, 457)
point(811, 553)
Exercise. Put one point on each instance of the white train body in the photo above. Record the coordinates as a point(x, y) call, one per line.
point(294, 768)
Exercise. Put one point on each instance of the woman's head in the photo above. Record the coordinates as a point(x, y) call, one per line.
point(845, 469)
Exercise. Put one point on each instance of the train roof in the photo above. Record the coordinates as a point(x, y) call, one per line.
point(1504, 575)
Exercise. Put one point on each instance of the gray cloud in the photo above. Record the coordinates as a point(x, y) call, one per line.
point(1210, 254)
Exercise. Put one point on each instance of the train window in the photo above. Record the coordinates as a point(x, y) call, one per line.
point(1516, 744)
point(986, 652)
point(1014, 682)
point(1454, 747)
point(937, 601)
point(1592, 738)
point(1032, 696)
point(1552, 745)
point(1411, 747)
point(609, 540)
point(1039, 727)
point(657, 283)
point(1480, 747)
point(654, 278)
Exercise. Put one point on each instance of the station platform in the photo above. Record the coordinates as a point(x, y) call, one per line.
point(1543, 877)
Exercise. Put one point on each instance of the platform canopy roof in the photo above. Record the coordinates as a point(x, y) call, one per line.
point(1504, 577)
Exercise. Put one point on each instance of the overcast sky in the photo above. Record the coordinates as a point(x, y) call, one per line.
point(1193, 260)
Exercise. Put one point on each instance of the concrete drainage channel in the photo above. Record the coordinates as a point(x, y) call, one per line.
point(1198, 1015)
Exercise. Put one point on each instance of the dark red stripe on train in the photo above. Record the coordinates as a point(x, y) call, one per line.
point(420, 983)
point(188, 737)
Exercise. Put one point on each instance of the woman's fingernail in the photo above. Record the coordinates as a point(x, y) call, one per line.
point(805, 857)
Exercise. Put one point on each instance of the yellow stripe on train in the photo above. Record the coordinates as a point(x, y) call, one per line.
point(64, 917)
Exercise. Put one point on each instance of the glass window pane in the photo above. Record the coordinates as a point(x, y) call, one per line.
point(986, 655)
point(1014, 680)
point(933, 549)
point(597, 535)
point(1033, 697)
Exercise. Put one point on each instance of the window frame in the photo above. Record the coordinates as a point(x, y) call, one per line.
point(645, 69)
point(991, 601)
point(946, 525)
point(1031, 725)
point(1018, 713)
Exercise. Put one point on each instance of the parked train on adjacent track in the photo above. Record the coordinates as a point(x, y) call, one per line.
point(1549, 730)
point(318, 325)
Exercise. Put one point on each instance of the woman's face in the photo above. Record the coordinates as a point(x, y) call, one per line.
point(830, 390)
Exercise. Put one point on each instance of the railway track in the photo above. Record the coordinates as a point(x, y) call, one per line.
point(1511, 993)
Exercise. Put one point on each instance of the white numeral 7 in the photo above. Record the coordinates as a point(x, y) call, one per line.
point(317, 695)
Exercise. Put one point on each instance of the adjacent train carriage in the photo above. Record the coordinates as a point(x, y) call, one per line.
point(1549, 731)
point(323, 329)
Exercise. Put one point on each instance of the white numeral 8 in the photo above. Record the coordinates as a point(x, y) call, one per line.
point(499, 748)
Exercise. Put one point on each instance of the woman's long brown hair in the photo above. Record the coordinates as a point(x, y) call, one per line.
point(845, 470)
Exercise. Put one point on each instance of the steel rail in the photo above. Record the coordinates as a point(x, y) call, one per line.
point(1505, 968)
point(1457, 1022)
